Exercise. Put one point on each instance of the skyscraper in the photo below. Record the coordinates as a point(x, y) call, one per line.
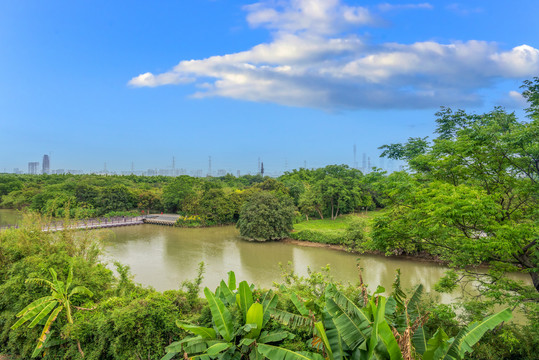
point(33, 168)
point(46, 165)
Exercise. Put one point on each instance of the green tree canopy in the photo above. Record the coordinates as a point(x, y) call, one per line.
point(473, 196)
point(264, 216)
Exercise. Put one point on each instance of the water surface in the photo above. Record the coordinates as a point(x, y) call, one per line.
point(163, 257)
point(10, 217)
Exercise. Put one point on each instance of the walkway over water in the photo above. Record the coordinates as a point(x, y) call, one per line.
point(100, 223)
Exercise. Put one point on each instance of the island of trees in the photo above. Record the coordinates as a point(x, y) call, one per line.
point(469, 198)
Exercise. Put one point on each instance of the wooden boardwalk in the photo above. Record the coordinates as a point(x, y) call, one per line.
point(102, 223)
point(89, 224)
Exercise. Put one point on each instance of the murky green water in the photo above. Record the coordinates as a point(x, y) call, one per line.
point(9, 217)
point(163, 257)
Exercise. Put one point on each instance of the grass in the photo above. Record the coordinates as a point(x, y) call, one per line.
point(329, 231)
point(339, 224)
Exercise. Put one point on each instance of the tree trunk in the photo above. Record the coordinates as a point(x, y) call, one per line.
point(525, 260)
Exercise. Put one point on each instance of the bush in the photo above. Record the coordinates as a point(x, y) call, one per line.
point(322, 237)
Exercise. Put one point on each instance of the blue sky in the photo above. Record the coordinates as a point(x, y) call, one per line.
point(287, 81)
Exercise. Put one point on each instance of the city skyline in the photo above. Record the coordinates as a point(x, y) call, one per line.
point(366, 166)
point(287, 81)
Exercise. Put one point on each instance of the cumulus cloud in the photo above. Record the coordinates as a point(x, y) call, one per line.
point(312, 61)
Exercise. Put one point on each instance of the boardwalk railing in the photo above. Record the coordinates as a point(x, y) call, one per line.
point(96, 223)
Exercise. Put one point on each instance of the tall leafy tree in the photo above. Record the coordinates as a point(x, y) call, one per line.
point(473, 197)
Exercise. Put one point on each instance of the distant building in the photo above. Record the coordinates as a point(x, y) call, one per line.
point(46, 165)
point(33, 168)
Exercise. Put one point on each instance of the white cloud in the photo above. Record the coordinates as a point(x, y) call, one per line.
point(463, 10)
point(391, 7)
point(312, 62)
point(515, 100)
point(312, 16)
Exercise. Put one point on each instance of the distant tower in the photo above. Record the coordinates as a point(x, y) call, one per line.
point(173, 166)
point(238, 173)
point(209, 166)
point(262, 169)
point(369, 162)
point(355, 157)
point(46, 165)
point(305, 164)
point(258, 168)
point(364, 162)
point(33, 168)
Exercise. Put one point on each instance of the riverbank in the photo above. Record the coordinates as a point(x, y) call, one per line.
point(424, 257)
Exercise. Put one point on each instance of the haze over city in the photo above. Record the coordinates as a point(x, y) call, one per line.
point(292, 83)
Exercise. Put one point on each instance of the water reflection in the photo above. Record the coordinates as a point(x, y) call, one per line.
point(163, 257)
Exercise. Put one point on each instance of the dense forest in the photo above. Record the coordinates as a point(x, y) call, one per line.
point(469, 198)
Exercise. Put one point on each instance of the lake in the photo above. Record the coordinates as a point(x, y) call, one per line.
point(163, 257)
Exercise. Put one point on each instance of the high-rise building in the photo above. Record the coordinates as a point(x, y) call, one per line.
point(46, 165)
point(33, 167)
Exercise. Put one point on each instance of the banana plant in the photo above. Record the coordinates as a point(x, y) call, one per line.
point(350, 332)
point(238, 328)
point(441, 347)
point(51, 306)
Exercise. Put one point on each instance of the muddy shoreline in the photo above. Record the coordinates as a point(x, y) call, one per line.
point(423, 257)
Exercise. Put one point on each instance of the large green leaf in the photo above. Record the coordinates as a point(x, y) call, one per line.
point(436, 346)
point(468, 337)
point(300, 306)
point(245, 297)
point(231, 280)
point(387, 337)
point(32, 310)
point(275, 352)
point(205, 333)
point(338, 347)
point(349, 320)
point(322, 333)
point(81, 290)
point(217, 348)
point(274, 336)
point(255, 315)
point(46, 310)
point(413, 303)
point(269, 303)
point(46, 330)
point(34, 304)
point(291, 320)
point(220, 315)
point(226, 293)
point(419, 340)
point(378, 312)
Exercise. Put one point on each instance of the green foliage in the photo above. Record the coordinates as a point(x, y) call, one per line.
point(264, 216)
point(50, 306)
point(472, 199)
point(239, 328)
